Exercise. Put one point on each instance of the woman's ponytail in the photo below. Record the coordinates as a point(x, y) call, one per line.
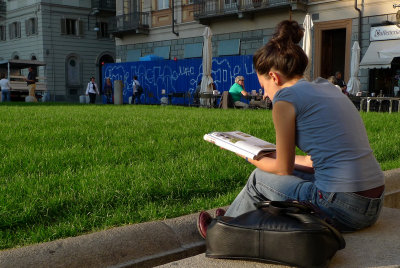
point(282, 52)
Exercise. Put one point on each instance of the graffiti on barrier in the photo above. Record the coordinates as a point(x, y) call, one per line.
point(180, 76)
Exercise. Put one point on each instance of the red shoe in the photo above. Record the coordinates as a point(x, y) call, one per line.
point(203, 221)
point(220, 212)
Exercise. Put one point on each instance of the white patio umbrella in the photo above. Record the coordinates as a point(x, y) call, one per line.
point(353, 86)
point(206, 80)
point(307, 25)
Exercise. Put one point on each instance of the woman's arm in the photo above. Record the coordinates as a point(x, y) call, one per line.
point(283, 162)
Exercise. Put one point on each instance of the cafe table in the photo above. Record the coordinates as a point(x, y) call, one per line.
point(209, 99)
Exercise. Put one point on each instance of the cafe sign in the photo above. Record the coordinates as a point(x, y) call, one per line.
point(384, 33)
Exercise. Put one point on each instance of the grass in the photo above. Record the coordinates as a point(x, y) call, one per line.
point(72, 169)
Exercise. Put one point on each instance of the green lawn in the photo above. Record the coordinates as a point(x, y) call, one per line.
point(72, 169)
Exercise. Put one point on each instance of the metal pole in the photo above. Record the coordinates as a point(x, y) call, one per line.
point(118, 89)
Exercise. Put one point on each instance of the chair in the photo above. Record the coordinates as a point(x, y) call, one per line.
point(226, 101)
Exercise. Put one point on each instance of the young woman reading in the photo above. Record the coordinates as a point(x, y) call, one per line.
point(339, 174)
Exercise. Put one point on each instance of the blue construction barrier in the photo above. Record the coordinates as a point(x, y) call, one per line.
point(178, 77)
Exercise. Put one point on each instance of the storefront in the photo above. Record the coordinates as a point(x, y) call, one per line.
point(383, 61)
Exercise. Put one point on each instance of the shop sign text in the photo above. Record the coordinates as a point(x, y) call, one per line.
point(384, 33)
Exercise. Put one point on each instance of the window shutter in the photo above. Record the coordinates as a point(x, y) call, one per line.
point(3, 32)
point(10, 31)
point(63, 26)
point(36, 26)
point(27, 31)
point(80, 27)
point(18, 29)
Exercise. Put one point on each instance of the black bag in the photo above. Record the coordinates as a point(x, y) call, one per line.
point(284, 232)
point(139, 89)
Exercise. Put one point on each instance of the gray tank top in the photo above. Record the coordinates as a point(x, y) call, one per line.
point(330, 129)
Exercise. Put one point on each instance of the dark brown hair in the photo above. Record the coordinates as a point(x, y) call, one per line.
point(282, 52)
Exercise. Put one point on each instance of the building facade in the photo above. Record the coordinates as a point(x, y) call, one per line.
point(71, 37)
point(173, 29)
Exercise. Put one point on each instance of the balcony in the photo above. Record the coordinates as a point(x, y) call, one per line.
point(207, 10)
point(133, 23)
point(104, 6)
point(3, 9)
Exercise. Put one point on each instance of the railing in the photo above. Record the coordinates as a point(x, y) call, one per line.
point(3, 8)
point(104, 5)
point(210, 8)
point(134, 22)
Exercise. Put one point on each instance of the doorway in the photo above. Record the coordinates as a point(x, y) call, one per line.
point(73, 75)
point(332, 48)
point(102, 61)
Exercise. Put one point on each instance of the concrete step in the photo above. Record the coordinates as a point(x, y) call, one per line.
point(377, 246)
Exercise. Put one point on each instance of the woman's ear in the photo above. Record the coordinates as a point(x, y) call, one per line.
point(275, 77)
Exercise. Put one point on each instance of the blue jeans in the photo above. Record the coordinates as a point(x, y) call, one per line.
point(136, 98)
point(107, 99)
point(5, 95)
point(347, 211)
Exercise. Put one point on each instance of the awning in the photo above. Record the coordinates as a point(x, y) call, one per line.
point(22, 64)
point(380, 54)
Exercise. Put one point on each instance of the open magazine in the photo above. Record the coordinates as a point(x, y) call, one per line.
point(241, 143)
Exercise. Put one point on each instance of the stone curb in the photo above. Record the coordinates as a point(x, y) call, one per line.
point(139, 245)
point(146, 244)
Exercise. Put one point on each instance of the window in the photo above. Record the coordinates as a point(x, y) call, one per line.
point(133, 55)
point(72, 27)
point(228, 47)
point(103, 30)
point(2, 32)
point(230, 4)
point(163, 52)
point(14, 30)
point(193, 50)
point(162, 4)
point(131, 6)
point(31, 26)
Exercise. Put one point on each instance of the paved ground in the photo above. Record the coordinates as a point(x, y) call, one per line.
point(377, 246)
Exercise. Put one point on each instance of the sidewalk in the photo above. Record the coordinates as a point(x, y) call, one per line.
point(162, 242)
point(377, 246)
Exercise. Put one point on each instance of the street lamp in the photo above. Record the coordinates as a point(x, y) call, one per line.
point(93, 12)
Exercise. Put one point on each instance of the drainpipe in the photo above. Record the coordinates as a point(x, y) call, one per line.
point(359, 21)
point(173, 18)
